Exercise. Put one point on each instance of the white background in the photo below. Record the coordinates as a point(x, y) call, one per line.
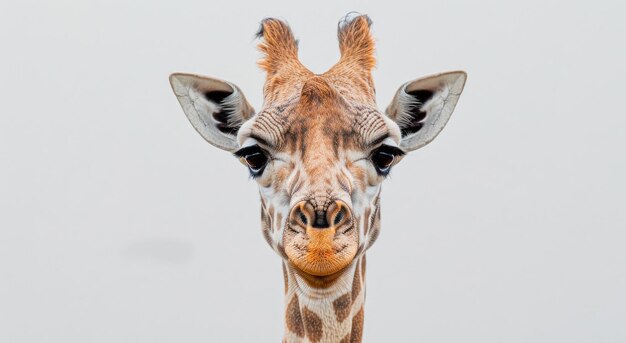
point(118, 223)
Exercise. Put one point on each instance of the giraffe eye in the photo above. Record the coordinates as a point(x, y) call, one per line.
point(254, 157)
point(383, 158)
point(382, 161)
point(256, 161)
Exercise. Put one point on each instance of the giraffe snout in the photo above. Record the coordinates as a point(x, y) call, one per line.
point(337, 215)
point(321, 241)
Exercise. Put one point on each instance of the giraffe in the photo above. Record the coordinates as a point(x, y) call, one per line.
point(319, 150)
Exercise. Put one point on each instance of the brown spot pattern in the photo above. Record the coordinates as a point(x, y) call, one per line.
point(313, 325)
point(293, 318)
point(342, 307)
point(357, 327)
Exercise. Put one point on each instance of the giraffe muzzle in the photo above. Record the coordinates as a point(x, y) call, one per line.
point(321, 241)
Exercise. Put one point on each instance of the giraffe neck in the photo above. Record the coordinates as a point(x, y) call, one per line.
point(325, 309)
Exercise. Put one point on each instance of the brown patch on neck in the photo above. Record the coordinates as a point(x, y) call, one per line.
point(342, 307)
point(307, 323)
point(293, 318)
point(357, 327)
point(313, 325)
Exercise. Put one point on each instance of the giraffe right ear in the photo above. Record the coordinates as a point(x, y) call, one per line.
point(422, 107)
point(215, 108)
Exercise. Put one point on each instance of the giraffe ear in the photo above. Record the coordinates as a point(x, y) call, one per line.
point(215, 108)
point(422, 107)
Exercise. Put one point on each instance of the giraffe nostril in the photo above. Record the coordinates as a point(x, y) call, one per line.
point(303, 218)
point(302, 215)
point(338, 217)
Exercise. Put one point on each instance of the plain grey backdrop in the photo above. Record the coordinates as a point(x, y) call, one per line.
point(118, 223)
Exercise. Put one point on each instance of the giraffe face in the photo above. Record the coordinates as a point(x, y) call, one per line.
point(319, 174)
point(319, 148)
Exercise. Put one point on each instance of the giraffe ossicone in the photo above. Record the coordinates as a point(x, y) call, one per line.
point(319, 149)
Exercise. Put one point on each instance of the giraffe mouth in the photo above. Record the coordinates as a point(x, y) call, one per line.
point(321, 252)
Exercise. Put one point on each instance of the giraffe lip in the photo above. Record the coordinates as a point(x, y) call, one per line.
point(321, 252)
point(318, 280)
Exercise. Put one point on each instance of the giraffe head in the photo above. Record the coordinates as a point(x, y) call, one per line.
point(319, 148)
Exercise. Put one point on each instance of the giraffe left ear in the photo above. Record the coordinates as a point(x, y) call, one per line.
point(215, 108)
point(422, 107)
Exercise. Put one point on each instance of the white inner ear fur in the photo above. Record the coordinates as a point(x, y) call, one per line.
point(432, 106)
point(446, 88)
point(190, 91)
